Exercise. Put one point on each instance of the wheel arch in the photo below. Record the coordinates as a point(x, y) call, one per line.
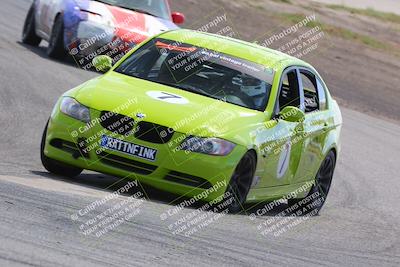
point(59, 13)
point(334, 150)
point(54, 21)
point(252, 150)
point(256, 163)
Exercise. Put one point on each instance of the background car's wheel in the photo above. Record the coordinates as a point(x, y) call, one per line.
point(319, 192)
point(55, 166)
point(240, 182)
point(28, 33)
point(56, 43)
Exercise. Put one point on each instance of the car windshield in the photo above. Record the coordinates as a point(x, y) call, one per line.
point(156, 8)
point(201, 71)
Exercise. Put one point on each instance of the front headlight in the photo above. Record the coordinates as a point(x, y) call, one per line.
point(74, 109)
point(209, 146)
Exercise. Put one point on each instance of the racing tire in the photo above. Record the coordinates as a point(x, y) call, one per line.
point(56, 48)
point(54, 166)
point(29, 33)
point(316, 198)
point(240, 183)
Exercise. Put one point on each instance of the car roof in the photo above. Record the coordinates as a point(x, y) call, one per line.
point(234, 47)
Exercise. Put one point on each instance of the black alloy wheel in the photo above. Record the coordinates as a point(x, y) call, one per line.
point(316, 198)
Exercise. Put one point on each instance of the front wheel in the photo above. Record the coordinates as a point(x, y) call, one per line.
point(315, 199)
point(55, 166)
point(56, 43)
point(240, 183)
point(29, 33)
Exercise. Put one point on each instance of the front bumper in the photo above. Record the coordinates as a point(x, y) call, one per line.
point(175, 171)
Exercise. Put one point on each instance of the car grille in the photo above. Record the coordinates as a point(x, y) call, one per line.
point(146, 131)
point(126, 164)
point(116, 123)
point(187, 179)
point(153, 133)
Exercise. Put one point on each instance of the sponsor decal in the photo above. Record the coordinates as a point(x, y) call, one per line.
point(168, 97)
point(132, 149)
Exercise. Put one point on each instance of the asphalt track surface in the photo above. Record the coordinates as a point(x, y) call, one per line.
point(359, 226)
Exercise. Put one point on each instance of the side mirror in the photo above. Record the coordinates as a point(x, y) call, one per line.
point(292, 114)
point(102, 63)
point(178, 18)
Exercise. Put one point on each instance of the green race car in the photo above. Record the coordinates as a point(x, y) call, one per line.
point(202, 116)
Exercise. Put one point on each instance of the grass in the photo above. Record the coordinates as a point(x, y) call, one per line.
point(283, 1)
point(256, 4)
point(337, 31)
point(384, 16)
point(262, 5)
point(297, 17)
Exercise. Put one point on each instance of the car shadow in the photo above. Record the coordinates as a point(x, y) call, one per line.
point(41, 52)
point(108, 183)
point(266, 209)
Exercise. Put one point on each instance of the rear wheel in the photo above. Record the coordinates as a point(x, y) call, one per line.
point(316, 198)
point(56, 43)
point(55, 166)
point(28, 33)
point(240, 183)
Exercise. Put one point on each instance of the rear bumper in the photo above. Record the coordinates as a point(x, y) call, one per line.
point(178, 172)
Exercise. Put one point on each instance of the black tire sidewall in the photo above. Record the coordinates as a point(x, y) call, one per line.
point(29, 33)
point(235, 206)
point(54, 166)
point(314, 189)
point(57, 49)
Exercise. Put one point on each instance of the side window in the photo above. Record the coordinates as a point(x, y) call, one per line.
point(311, 102)
point(289, 91)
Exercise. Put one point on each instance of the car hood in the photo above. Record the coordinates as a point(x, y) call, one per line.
point(183, 111)
point(128, 25)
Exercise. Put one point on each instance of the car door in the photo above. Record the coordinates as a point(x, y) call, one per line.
point(315, 125)
point(281, 151)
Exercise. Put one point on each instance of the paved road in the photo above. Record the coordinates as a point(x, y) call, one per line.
point(358, 227)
